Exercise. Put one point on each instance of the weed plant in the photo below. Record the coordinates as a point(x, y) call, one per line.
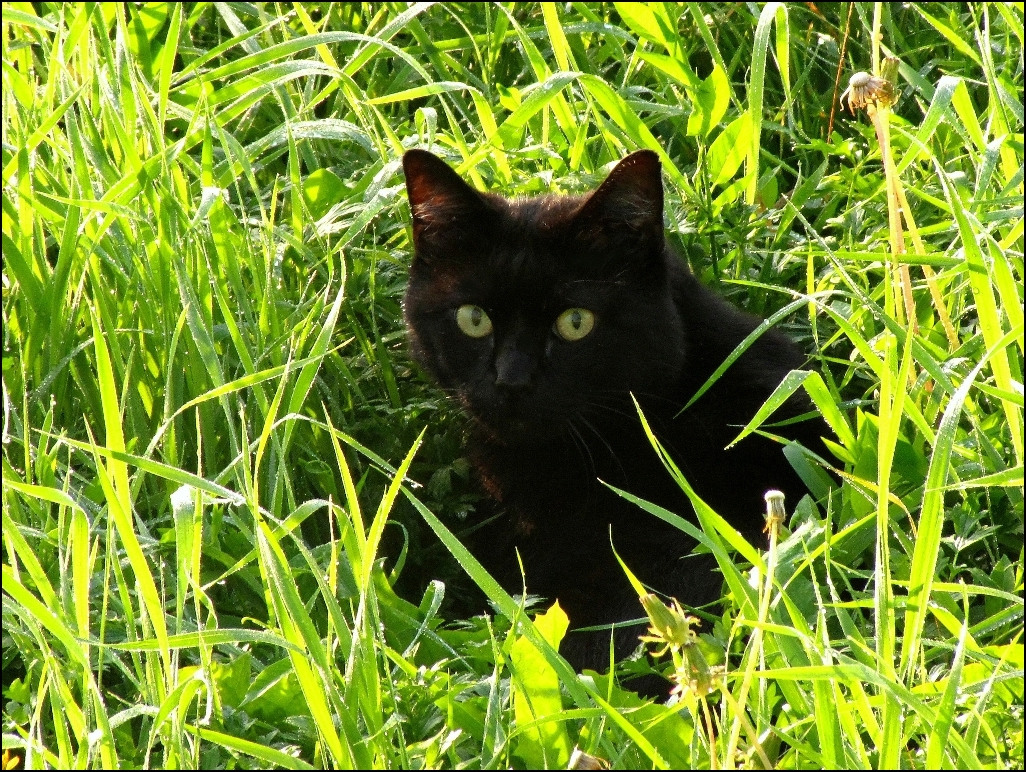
point(231, 504)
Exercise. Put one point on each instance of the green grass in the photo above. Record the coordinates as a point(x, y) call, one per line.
point(231, 504)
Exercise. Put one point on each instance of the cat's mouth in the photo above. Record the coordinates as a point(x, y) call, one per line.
point(519, 431)
point(514, 420)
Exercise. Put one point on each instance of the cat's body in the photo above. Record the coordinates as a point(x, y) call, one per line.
point(543, 316)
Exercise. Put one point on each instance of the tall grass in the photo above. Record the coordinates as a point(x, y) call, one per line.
point(231, 505)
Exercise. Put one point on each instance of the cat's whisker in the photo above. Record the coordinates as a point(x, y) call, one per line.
point(582, 448)
point(604, 441)
point(621, 409)
point(665, 436)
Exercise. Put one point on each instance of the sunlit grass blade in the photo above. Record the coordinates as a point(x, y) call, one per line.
point(756, 91)
point(931, 518)
point(987, 308)
point(298, 629)
point(260, 751)
point(113, 478)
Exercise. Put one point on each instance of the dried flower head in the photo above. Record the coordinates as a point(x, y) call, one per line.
point(581, 760)
point(865, 89)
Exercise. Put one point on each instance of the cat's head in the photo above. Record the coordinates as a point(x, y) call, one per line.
point(539, 311)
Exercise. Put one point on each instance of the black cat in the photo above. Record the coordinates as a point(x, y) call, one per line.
point(542, 316)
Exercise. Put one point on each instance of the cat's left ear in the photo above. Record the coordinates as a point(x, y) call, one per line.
point(440, 200)
point(628, 205)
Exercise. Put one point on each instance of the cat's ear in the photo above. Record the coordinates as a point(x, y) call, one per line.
point(627, 206)
point(439, 198)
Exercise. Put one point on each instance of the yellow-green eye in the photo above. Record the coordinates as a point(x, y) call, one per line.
point(574, 323)
point(473, 321)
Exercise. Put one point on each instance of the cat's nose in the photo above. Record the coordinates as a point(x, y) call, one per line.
point(513, 368)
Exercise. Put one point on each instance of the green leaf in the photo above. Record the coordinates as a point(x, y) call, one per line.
point(728, 150)
point(649, 21)
point(533, 101)
point(536, 700)
point(711, 99)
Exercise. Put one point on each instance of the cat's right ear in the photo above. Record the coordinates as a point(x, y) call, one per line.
point(441, 203)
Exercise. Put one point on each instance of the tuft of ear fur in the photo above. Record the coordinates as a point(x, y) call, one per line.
point(627, 206)
point(438, 195)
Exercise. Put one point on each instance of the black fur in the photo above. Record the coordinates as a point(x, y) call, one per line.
point(551, 417)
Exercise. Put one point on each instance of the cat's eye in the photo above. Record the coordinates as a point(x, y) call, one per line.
point(473, 321)
point(574, 323)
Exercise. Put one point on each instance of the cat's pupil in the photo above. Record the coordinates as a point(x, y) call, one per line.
point(575, 320)
point(475, 317)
